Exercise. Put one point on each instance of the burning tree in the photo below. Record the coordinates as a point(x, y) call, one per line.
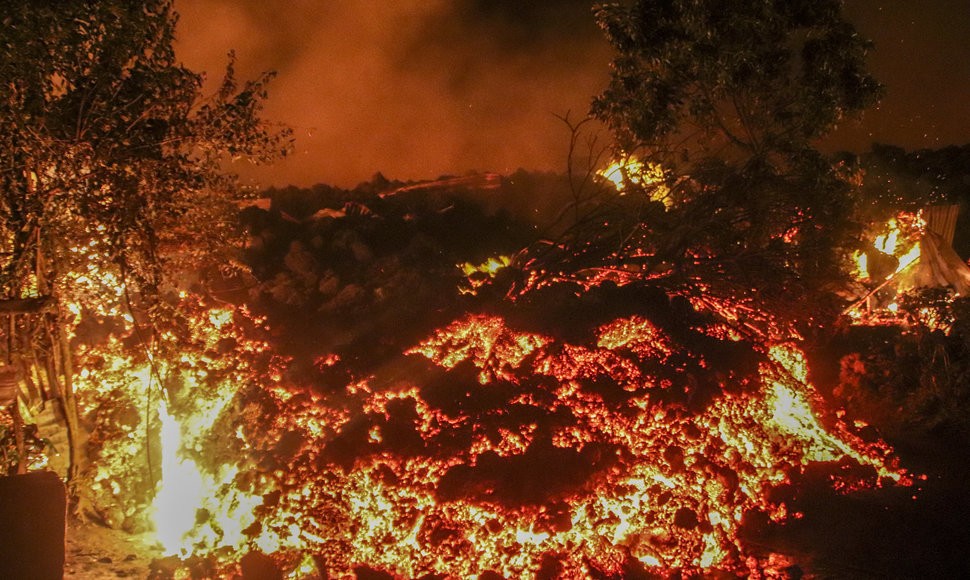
point(113, 180)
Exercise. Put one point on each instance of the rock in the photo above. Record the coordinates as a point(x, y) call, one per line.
point(685, 518)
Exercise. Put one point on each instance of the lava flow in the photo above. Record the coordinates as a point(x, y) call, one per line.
point(503, 443)
point(513, 452)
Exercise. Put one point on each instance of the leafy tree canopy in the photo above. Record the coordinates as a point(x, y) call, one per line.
point(729, 98)
point(112, 172)
point(110, 156)
point(736, 79)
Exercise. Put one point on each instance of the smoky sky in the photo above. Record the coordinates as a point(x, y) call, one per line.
point(922, 55)
point(415, 89)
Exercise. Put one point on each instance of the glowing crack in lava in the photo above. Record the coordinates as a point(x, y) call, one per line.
point(522, 453)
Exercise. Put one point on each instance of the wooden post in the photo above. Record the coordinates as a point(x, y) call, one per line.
point(8, 398)
point(18, 433)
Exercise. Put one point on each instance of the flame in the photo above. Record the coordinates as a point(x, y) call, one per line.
point(490, 267)
point(887, 243)
point(901, 240)
point(911, 256)
point(191, 495)
point(649, 176)
point(621, 170)
point(861, 270)
point(181, 493)
point(195, 511)
point(477, 274)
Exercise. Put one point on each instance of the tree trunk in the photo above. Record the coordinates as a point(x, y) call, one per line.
point(18, 430)
point(78, 457)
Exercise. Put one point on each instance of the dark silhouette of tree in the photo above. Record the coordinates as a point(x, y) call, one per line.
point(112, 172)
point(729, 99)
point(739, 82)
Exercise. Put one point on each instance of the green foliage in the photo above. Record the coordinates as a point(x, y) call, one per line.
point(110, 157)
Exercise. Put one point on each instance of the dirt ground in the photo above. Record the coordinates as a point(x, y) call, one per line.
point(94, 552)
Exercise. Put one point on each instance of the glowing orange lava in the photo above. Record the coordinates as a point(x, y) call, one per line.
point(499, 450)
point(658, 482)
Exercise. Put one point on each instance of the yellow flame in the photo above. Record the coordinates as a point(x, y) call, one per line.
point(198, 510)
point(861, 261)
point(477, 275)
point(899, 241)
point(908, 258)
point(621, 170)
point(887, 242)
point(181, 493)
point(489, 267)
point(648, 175)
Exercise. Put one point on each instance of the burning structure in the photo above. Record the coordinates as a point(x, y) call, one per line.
point(915, 253)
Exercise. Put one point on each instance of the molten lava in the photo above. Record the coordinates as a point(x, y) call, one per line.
point(487, 446)
point(529, 449)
